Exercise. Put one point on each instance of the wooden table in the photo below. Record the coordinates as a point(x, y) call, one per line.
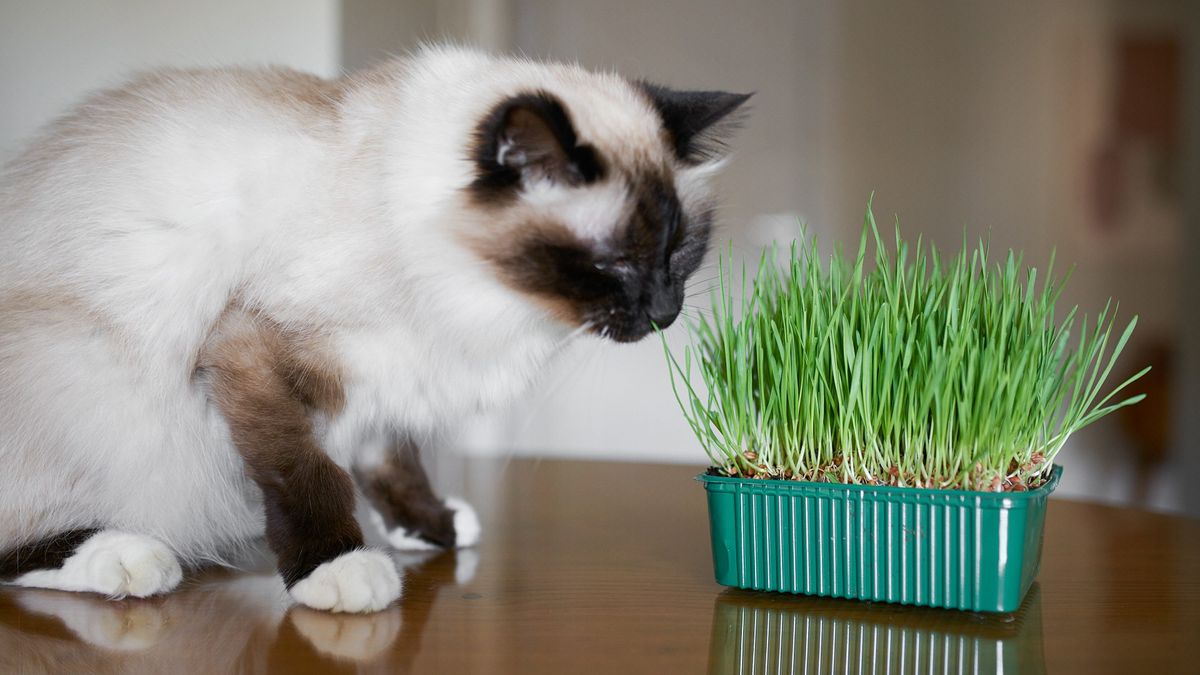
point(605, 568)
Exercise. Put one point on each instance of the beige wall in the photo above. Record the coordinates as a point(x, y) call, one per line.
point(375, 29)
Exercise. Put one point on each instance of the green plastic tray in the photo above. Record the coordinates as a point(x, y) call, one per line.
point(976, 551)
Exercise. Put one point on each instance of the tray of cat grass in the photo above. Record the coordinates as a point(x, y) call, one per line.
point(886, 429)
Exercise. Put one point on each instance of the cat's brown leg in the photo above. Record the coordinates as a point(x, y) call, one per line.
point(266, 389)
point(413, 515)
point(399, 490)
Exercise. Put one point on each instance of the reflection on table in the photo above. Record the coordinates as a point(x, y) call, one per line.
point(221, 622)
point(775, 633)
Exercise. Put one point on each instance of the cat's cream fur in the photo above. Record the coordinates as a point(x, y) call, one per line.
point(331, 208)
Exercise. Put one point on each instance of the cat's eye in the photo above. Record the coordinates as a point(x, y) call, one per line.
point(618, 265)
point(673, 224)
point(607, 263)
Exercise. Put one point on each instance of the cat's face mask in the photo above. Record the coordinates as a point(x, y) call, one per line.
point(603, 215)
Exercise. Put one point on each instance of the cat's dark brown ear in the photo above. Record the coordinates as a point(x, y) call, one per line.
point(698, 123)
point(526, 138)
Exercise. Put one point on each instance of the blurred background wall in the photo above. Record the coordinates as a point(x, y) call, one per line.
point(1070, 125)
point(53, 51)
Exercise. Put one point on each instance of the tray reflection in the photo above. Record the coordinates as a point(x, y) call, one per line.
point(776, 633)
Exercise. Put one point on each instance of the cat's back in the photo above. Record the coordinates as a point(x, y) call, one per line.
point(167, 113)
point(167, 104)
point(171, 151)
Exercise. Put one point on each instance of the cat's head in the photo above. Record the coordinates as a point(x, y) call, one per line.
point(597, 199)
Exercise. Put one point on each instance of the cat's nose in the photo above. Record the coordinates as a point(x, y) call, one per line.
point(662, 310)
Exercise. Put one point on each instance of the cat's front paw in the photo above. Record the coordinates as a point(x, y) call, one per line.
point(113, 563)
point(363, 580)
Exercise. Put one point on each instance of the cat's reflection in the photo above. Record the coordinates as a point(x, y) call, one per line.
point(777, 633)
point(223, 622)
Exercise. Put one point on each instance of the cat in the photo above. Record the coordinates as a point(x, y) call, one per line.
point(228, 297)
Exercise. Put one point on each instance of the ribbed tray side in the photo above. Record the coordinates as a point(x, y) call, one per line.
point(941, 548)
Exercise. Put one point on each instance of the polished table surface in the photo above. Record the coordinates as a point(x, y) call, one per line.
point(591, 567)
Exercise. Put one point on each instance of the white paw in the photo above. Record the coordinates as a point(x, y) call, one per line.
point(466, 523)
point(117, 564)
point(359, 581)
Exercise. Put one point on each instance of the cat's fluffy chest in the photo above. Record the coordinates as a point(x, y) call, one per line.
point(405, 378)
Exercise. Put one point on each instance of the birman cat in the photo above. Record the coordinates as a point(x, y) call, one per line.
point(230, 301)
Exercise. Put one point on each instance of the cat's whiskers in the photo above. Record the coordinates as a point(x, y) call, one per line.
point(574, 334)
point(702, 280)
